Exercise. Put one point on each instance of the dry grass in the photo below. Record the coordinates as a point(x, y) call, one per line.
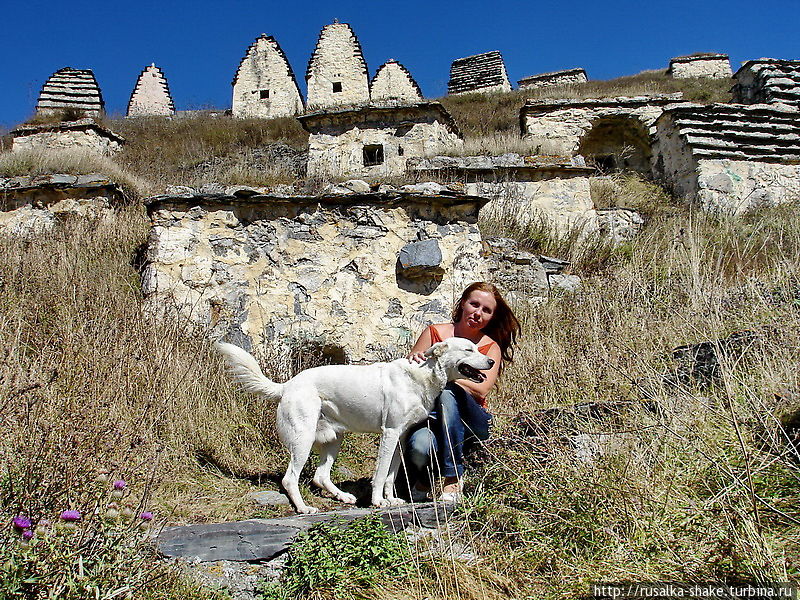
point(74, 162)
point(496, 116)
point(203, 149)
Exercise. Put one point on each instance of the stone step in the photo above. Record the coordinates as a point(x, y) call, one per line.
point(263, 539)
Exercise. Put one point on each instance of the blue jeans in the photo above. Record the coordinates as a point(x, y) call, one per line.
point(456, 418)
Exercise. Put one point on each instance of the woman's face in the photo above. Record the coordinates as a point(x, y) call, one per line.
point(477, 309)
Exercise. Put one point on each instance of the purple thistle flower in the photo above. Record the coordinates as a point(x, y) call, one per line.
point(27, 535)
point(146, 516)
point(120, 484)
point(70, 516)
point(21, 523)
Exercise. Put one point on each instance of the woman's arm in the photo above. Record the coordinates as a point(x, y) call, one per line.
point(422, 344)
point(482, 389)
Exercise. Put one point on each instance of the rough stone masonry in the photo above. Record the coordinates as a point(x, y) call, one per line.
point(713, 66)
point(70, 88)
point(393, 84)
point(729, 157)
point(264, 85)
point(479, 73)
point(150, 96)
point(337, 72)
point(372, 141)
point(566, 77)
point(768, 81)
point(282, 270)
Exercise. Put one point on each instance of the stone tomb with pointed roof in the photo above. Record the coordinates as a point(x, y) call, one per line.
point(704, 64)
point(264, 85)
point(337, 72)
point(376, 141)
point(479, 73)
point(394, 84)
point(150, 96)
point(71, 89)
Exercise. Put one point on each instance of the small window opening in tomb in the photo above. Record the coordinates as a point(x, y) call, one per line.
point(263, 94)
point(373, 155)
point(400, 151)
point(337, 86)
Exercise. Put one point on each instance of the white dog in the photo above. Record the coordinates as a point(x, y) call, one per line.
point(318, 405)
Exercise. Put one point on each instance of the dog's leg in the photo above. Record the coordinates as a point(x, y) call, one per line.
point(394, 466)
point(389, 444)
point(299, 451)
point(322, 477)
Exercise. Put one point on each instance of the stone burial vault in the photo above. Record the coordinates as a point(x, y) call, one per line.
point(71, 89)
point(729, 157)
point(393, 84)
point(83, 134)
point(543, 80)
point(612, 133)
point(264, 85)
point(703, 64)
point(768, 81)
point(150, 96)
point(376, 141)
point(479, 73)
point(337, 72)
point(355, 274)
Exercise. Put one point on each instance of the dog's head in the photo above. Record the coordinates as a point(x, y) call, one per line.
point(460, 359)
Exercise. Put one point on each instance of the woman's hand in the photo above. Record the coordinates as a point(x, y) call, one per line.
point(416, 357)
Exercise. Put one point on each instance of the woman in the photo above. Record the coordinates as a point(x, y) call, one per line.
point(460, 414)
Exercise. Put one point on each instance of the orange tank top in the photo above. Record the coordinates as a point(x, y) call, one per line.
point(435, 338)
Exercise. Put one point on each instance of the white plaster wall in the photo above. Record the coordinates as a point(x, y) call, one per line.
point(342, 155)
point(88, 140)
point(714, 69)
point(392, 83)
point(559, 131)
point(337, 58)
point(265, 68)
point(150, 96)
point(735, 187)
point(322, 273)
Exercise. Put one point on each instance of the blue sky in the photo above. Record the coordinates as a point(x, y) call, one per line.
point(199, 44)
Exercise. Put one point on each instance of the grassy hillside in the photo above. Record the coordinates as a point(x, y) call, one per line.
point(697, 481)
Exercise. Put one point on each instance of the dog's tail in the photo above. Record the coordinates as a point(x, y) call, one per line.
point(244, 370)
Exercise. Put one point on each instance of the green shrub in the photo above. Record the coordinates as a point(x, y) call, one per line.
point(342, 560)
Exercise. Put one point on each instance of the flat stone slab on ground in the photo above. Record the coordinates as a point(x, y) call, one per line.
point(263, 539)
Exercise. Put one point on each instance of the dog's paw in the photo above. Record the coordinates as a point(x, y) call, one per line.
point(346, 498)
point(395, 501)
point(380, 503)
point(307, 510)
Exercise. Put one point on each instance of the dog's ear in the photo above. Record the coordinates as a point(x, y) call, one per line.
point(436, 350)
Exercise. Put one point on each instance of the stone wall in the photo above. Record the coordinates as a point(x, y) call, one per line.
point(713, 66)
point(768, 81)
point(376, 141)
point(84, 134)
point(74, 89)
point(264, 85)
point(565, 77)
point(36, 204)
point(337, 72)
point(150, 96)
point(728, 157)
point(557, 126)
point(393, 84)
point(325, 270)
point(522, 190)
point(479, 73)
